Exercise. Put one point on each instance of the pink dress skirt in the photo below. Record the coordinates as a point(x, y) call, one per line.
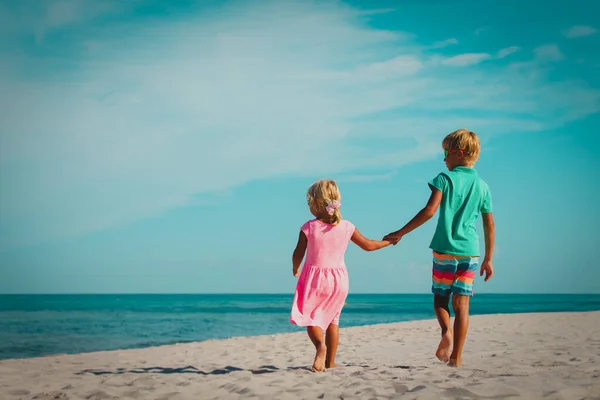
point(320, 296)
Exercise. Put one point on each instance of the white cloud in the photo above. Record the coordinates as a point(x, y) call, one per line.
point(548, 52)
point(507, 51)
point(468, 59)
point(38, 17)
point(465, 60)
point(479, 31)
point(579, 31)
point(444, 43)
point(386, 70)
point(140, 117)
point(366, 177)
point(377, 11)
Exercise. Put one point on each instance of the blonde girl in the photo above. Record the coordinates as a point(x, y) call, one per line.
point(323, 284)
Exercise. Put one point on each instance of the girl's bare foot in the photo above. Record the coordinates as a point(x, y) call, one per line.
point(319, 363)
point(445, 347)
point(455, 363)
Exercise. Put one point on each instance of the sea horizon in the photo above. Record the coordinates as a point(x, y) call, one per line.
point(34, 325)
point(281, 293)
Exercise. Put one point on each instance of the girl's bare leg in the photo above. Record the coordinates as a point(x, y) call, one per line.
point(331, 339)
point(315, 334)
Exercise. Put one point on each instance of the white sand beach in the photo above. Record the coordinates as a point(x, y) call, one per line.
point(530, 356)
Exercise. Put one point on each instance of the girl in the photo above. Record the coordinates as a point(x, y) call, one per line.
point(323, 284)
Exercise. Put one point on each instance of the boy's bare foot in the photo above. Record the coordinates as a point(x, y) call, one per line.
point(445, 347)
point(319, 363)
point(455, 363)
point(330, 365)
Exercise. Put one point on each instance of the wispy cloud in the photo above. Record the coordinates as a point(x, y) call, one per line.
point(579, 31)
point(377, 11)
point(465, 60)
point(366, 177)
point(444, 43)
point(39, 17)
point(386, 70)
point(479, 31)
point(548, 52)
point(469, 59)
point(104, 123)
point(507, 51)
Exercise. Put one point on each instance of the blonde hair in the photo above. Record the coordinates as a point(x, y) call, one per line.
point(466, 141)
point(318, 195)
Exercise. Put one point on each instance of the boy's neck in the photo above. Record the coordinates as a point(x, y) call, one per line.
point(463, 166)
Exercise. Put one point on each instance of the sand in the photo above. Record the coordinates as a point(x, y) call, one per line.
point(530, 356)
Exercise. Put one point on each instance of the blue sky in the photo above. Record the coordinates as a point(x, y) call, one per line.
point(167, 146)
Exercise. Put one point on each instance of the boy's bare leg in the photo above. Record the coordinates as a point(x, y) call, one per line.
point(331, 339)
point(442, 312)
point(460, 305)
point(315, 334)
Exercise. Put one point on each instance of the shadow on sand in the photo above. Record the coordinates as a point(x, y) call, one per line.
point(264, 369)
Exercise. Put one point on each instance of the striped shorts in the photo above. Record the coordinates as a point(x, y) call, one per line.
point(453, 274)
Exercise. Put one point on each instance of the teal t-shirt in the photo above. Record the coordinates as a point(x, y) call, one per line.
point(464, 196)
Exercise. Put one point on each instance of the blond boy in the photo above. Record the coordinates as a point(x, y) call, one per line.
point(462, 196)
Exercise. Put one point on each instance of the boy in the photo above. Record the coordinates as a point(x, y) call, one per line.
point(455, 244)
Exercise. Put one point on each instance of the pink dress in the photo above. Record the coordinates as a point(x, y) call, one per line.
point(323, 284)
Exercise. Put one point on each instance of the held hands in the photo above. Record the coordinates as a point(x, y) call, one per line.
point(488, 268)
point(393, 238)
point(296, 272)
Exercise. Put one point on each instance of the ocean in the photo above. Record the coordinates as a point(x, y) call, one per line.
point(39, 325)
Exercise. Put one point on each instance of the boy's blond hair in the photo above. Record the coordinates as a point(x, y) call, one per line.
point(319, 194)
point(466, 141)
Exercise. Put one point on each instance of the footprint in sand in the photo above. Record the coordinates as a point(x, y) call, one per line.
point(399, 388)
point(51, 396)
point(19, 392)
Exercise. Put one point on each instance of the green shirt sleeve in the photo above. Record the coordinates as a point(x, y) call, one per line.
point(440, 182)
point(486, 204)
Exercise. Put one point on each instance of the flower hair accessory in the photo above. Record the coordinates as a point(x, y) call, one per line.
point(332, 206)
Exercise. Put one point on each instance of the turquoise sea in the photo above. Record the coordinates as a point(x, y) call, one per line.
point(38, 325)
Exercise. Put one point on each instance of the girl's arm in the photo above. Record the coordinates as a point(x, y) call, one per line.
point(298, 254)
point(368, 244)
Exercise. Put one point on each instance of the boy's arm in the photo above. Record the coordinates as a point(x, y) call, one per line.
point(368, 244)
point(422, 216)
point(489, 232)
point(298, 254)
